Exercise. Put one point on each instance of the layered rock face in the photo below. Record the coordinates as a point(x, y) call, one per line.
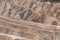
point(30, 19)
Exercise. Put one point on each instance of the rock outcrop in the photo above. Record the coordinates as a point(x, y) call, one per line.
point(30, 19)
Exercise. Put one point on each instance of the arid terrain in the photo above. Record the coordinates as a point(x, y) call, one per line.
point(29, 20)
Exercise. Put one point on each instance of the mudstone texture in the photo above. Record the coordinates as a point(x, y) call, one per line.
point(29, 20)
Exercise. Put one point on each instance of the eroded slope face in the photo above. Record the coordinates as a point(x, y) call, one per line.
point(31, 10)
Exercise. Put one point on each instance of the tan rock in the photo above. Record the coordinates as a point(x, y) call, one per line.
point(29, 20)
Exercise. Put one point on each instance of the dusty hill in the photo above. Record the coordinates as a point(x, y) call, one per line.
point(30, 19)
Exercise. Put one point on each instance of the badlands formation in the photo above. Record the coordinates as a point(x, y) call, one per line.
point(29, 20)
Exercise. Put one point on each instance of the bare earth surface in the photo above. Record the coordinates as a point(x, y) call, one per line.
point(29, 20)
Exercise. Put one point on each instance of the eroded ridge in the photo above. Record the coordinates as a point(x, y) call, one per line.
point(29, 30)
point(31, 10)
point(30, 19)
